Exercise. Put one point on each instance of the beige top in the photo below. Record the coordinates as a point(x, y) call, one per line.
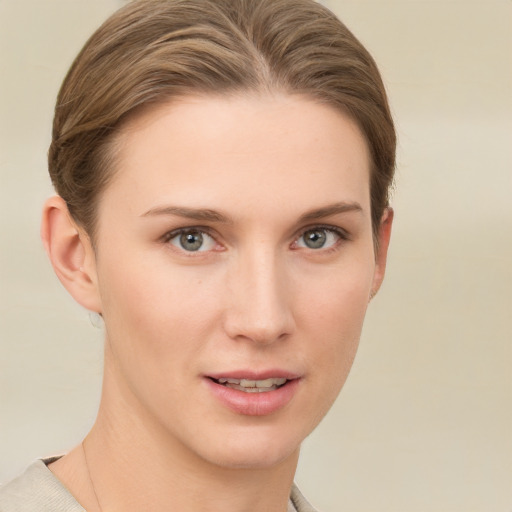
point(39, 490)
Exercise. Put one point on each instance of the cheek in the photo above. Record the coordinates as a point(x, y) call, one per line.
point(338, 297)
point(335, 331)
point(332, 320)
point(151, 307)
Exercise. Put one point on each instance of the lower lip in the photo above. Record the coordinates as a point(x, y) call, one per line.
point(254, 404)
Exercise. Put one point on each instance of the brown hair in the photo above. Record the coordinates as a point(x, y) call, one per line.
point(153, 50)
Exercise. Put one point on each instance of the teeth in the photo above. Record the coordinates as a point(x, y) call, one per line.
point(253, 386)
point(269, 382)
point(231, 381)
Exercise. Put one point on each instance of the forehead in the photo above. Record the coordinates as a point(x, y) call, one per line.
point(208, 149)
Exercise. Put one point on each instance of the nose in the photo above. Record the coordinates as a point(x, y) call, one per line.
point(259, 306)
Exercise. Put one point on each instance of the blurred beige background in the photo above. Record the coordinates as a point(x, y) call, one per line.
point(425, 420)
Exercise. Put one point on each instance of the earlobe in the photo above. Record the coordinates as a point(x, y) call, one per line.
point(382, 250)
point(71, 254)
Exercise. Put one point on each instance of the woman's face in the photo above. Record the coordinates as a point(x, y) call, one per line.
point(234, 251)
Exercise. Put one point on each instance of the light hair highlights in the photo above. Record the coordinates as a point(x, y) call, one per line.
point(151, 51)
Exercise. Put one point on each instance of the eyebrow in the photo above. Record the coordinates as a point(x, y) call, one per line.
point(329, 210)
point(199, 214)
point(206, 214)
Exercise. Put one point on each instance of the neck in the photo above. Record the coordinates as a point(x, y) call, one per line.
point(136, 465)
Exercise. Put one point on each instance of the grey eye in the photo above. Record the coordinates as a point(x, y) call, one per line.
point(315, 238)
point(192, 240)
point(318, 238)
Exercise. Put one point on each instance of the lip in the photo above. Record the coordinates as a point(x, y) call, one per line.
point(254, 404)
point(254, 375)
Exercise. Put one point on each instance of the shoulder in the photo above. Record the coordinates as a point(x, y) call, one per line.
point(37, 489)
point(298, 503)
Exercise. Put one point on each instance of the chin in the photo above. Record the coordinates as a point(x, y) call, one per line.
point(252, 450)
point(255, 460)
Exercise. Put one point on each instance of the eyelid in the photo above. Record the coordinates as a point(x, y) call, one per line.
point(167, 237)
point(185, 229)
point(340, 232)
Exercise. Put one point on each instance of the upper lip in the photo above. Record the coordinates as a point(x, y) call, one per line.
point(254, 375)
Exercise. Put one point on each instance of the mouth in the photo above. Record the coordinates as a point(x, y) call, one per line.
point(252, 386)
point(254, 393)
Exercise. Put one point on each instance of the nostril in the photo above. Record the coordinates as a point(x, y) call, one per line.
point(259, 306)
point(262, 336)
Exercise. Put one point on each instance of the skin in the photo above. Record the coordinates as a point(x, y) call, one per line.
point(254, 297)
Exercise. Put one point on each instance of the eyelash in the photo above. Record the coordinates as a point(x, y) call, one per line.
point(168, 237)
point(342, 235)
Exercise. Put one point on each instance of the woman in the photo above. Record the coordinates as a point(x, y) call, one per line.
point(222, 170)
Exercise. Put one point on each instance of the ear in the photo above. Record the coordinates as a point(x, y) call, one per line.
point(384, 236)
point(71, 253)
